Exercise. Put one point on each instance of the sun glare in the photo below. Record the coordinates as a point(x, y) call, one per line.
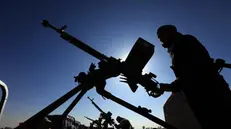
point(123, 53)
point(123, 56)
point(146, 69)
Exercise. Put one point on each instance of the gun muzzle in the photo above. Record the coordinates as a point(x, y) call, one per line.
point(90, 98)
point(45, 23)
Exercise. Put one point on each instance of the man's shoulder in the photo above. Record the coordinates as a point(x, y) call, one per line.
point(188, 36)
point(124, 120)
point(191, 40)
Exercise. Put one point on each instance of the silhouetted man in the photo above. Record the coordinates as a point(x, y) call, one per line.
point(207, 92)
point(45, 124)
point(123, 123)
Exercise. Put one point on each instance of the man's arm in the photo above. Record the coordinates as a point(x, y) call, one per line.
point(173, 87)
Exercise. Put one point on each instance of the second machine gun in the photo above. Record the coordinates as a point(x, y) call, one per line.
point(94, 122)
point(107, 117)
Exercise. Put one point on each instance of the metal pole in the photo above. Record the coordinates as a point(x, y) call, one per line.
point(4, 97)
point(75, 101)
point(33, 121)
point(135, 109)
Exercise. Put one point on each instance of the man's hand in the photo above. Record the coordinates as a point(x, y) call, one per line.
point(165, 87)
point(173, 87)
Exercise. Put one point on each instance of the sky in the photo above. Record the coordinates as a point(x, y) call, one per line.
point(38, 66)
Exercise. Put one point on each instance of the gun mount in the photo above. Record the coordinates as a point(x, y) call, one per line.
point(108, 67)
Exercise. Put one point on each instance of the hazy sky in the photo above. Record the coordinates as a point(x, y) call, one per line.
point(38, 66)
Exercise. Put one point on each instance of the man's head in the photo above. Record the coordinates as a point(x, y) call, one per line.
point(109, 114)
point(118, 119)
point(167, 34)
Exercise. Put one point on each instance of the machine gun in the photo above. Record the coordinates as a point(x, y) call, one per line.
point(105, 116)
point(131, 68)
point(108, 67)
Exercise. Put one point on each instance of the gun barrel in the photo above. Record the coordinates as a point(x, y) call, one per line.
point(89, 118)
point(227, 65)
point(75, 41)
point(95, 105)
